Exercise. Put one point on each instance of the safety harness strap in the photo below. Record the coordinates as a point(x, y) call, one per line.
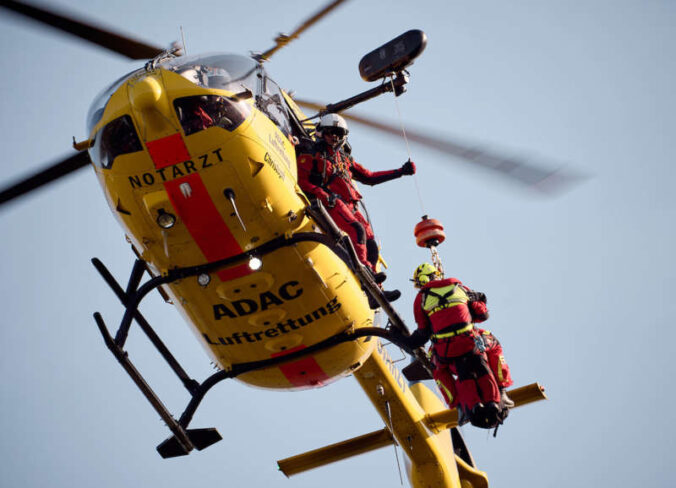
point(444, 300)
point(452, 333)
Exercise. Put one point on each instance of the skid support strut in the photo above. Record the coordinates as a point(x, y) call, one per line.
point(183, 439)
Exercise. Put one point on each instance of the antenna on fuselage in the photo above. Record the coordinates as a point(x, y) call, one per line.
point(230, 195)
point(185, 50)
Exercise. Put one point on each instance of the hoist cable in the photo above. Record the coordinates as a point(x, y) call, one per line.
point(408, 148)
point(396, 454)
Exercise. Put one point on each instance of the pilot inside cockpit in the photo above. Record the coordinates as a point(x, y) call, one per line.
point(200, 112)
point(194, 74)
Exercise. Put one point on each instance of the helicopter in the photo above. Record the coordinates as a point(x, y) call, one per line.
point(151, 184)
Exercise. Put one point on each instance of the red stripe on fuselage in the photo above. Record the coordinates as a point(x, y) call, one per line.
point(199, 214)
point(201, 217)
point(195, 208)
point(167, 151)
point(303, 372)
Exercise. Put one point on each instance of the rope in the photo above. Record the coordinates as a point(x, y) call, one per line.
point(436, 260)
point(408, 148)
point(396, 454)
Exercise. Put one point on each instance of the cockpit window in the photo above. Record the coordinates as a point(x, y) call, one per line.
point(236, 74)
point(201, 112)
point(116, 138)
point(216, 71)
point(99, 104)
point(271, 101)
point(220, 71)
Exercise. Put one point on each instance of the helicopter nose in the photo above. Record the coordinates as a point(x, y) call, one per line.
point(151, 107)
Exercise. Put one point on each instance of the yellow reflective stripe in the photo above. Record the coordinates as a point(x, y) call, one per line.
point(467, 328)
point(450, 304)
point(449, 395)
point(501, 376)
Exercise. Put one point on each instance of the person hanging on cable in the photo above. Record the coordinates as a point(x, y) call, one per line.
point(326, 172)
point(470, 368)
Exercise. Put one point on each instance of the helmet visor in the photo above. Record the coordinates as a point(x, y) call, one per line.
point(334, 131)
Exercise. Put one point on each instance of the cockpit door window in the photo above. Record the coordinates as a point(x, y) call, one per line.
point(270, 101)
point(114, 139)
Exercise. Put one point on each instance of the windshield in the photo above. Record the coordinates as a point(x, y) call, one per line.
point(230, 72)
point(217, 71)
point(99, 104)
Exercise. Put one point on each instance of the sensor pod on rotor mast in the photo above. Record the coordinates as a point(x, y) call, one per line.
point(394, 56)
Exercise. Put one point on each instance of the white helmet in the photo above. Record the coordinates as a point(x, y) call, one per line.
point(333, 124)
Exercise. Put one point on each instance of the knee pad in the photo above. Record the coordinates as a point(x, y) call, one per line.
point(359, 230)
point(372, 251)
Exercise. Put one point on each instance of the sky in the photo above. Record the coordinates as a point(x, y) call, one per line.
point(580, 285)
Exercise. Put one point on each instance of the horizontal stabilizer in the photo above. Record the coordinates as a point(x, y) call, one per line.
point(200, 438)
point(448, 419)
point(335, 452)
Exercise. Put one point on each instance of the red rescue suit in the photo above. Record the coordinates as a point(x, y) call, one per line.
point(445, 373)
point(445, 313)
point(327, 175)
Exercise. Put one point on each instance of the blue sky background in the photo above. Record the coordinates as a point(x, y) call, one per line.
point(580, 286)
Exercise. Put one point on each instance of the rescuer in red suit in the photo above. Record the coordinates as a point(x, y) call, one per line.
point(469, 365)
point(326, 171)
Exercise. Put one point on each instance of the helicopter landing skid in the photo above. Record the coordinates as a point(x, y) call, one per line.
point(183, 439)
point(200, 438)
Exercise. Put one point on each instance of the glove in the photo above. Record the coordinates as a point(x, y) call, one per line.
point(360, 231)
point(408, 168)
point(331, 200)
point(476, 296)
point(418, 338)
point(399, 339)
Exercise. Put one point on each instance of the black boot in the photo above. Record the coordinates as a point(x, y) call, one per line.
point(390, 296)
point(379, 277)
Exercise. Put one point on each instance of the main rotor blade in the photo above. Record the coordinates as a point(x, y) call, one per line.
point(545, 179)
point(283, 39)
point(125, 46)
point(47, 175)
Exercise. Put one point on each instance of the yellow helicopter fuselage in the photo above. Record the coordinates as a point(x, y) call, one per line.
point(191, 196)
